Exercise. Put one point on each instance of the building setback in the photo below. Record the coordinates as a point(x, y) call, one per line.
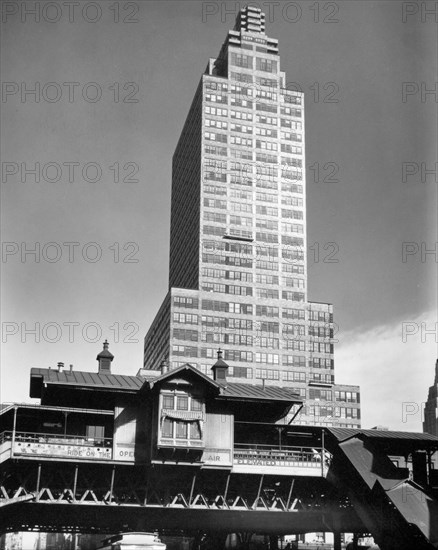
point(238, 267)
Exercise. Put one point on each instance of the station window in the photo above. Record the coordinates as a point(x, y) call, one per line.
point(182, 403)
point(95, 432)
point(181, 419)
point(168, 401)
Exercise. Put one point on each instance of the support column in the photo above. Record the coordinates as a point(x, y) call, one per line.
point(337, 545)
point(273, 542)
point(75, 483)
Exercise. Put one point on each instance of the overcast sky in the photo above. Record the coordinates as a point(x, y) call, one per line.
point(116, 81)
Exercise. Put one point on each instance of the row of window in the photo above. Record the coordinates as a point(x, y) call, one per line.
point(236, 290)
point(287, 313)
point(266, 259)
point(268, 82)
point(239, 338)
point(178, 429)
point(261, 223)
point(247, 372)
point(247, 62)
point(217, 177)
point(290, 332)
point(247, 142)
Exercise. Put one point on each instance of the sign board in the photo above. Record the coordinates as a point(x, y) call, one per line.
point(216, 457)
point(129, 452)
point(64, 451)
point(281, 467)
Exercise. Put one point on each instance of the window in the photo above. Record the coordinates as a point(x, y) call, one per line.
point(266, 65)
point(267, 374)
point(185, 334)
point(182, 403)
point(195, 431)
point(216, 98)
point(217, 111)
point(240, 60)
point(268, 358)
point(96, 432)
point(167, 428)
point(185, 301)
point(270, 294)
point(168, 401)
point(240, 372)
point(196, 404)
point(181, 430)
point(181, 418)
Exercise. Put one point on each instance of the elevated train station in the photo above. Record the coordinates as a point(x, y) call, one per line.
point(104, 453)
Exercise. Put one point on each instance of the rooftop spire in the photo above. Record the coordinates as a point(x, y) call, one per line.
point(105, 357)
point(220, 368)
point(250, 19)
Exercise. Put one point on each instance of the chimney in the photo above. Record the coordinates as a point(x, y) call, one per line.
point(60, 367)
point(71, 368)
point(164, 367)
point(105, 357)
point(220, 368)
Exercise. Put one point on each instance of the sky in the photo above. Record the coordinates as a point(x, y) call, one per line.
point(114, 84)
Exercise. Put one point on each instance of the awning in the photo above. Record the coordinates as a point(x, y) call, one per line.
point(188, 416)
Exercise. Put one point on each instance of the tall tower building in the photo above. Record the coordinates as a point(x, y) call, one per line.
point(430, 423)
point(238, 269)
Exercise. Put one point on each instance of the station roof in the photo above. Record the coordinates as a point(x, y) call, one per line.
point(395, 440)
point(82, 379)
point(132, 384)
point(249, 391)
point(342, 434)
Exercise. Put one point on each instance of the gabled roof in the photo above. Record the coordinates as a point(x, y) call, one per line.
point(133, 384)
point(183, 369)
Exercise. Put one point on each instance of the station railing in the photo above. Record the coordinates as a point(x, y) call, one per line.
point(67, 446)
point(311, 457)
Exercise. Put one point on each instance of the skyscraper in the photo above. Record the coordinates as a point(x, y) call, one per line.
point(238, 268)
point(430, 423)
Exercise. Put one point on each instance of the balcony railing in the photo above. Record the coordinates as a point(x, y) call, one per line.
point(5, 436)
point(62, 439)
point(67, 446)
point(309, 457)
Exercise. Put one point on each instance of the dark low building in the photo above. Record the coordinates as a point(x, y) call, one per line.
point(169, 416)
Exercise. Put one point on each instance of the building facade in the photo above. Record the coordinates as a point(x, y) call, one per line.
point(238, 266)
point(430, 423)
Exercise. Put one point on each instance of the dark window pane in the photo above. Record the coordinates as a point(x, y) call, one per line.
point(167, 429)
point(196, 404)
point(168, 401)
point(195, 432)
point(181, 430)
point(182, 403)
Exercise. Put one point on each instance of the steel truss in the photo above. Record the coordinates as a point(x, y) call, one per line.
point(192, 497)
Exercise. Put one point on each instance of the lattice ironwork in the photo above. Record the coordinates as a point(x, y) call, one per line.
point(83, 494)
